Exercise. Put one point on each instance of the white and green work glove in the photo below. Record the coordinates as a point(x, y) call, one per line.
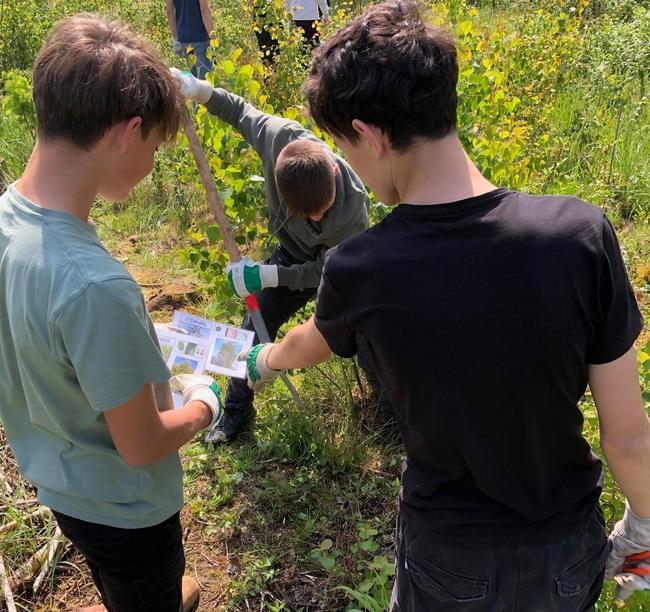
point(178, 48)
point(199, 388)
point(258, 372)
point(192, 88)
point(247, 276)
point(629, 563)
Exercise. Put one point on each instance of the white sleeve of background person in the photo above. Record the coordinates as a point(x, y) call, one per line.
point(322, 5)
point(302, 10)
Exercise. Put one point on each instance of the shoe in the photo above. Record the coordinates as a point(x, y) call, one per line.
point(226, 428)
point(191, 594)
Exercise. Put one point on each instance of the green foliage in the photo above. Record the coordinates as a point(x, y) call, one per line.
point(17, 98)
point(553, 98)
point(373, 592)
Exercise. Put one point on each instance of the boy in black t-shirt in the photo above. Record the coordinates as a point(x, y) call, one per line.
point(499, 501)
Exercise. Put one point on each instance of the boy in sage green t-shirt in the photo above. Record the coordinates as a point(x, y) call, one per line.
point(84, 394)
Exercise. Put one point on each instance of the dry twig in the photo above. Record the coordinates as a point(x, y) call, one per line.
point(6, 587)
point(55, 544)
point(13, 524)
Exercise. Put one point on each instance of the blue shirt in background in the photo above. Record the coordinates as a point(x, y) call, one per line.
point(189, 23)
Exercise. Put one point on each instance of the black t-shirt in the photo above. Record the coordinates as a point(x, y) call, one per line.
point(482, 316)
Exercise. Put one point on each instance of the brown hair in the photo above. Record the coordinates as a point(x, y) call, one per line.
point(388, 68)
point(304, 174)
point(92, 73)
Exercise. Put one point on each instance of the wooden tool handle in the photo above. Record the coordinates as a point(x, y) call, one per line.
point(227, 234)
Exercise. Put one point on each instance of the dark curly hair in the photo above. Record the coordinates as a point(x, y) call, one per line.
point(388, 68)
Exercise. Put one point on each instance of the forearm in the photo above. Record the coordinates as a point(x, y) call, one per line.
point(171, 18)
point(624, 427)
point(174, 429)
point(301, 276)
point(302, 347)
point(258, 128)
point(206, 16)
point(324, 9)
point(629, 462)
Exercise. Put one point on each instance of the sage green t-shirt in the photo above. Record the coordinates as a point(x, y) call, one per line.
point(75, 340)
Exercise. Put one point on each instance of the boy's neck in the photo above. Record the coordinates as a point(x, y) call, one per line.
point(62, 177)
point(436, 172)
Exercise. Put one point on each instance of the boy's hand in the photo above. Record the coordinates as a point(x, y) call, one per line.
point(192, 88)
point(628, 563)
point(178, 48)
point(258, 372)
point(199, 388)
point(247, 276)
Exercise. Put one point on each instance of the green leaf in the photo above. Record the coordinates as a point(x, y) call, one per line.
point(326, 544)
point(214, 234)
point(227, 67)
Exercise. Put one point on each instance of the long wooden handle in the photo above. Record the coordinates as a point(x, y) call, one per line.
point(211, 190)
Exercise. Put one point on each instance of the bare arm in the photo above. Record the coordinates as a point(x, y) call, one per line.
point(143, 435)
point(302, 347)
point(206, 15)
point(171, 17)
point(624, 428)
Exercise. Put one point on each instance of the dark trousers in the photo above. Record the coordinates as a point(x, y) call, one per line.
point(563, 576)
point(309, 33)
point(278, 305)
point(267, 44)
point(135, 570)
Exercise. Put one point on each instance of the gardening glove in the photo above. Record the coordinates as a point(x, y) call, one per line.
point(199, 388)
point(635, 575)
point(627, 564)
point(192, 88)
point(258, 372)
point(178, 48)
point(247, 276)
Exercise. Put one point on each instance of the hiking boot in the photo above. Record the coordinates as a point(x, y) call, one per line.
point(231, 421)
point(190, 592)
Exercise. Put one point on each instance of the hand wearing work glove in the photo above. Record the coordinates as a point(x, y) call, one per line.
point(178, 48)
point(258, 372)
point(247, 276)
point(628, 564)
point(199, 388)
point(192, 88)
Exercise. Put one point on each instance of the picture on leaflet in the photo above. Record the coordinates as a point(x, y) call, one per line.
point(225, 353)
point(193, 326)
point(184, 365)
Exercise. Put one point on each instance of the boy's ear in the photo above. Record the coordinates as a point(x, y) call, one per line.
point(372, 136)
point(127, 131)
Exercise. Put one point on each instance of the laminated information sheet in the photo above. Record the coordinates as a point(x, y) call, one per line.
point(192, 345)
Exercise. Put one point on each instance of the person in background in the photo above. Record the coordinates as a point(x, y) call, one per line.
point(190, 22)
point(305, 14)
